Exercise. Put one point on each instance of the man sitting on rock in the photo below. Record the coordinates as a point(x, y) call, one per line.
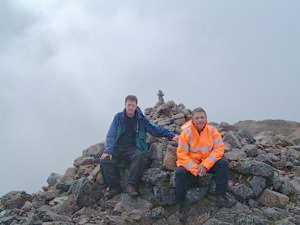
point(200, 151)
point(126, 142)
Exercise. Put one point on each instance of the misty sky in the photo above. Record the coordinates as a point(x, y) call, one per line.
point(66, 66)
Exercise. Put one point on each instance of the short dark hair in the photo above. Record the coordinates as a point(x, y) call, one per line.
point(198, 109)
point(131, 98)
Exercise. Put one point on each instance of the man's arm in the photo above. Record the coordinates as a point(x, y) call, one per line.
point(183, 157)
point(111, 136)
point(158, 131)
point(217, 152)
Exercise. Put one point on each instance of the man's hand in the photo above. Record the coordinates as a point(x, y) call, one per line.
point(175, 138)
point(105, 156)
point(202, 171)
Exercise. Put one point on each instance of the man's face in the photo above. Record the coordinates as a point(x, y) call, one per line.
point(130, 107)
point(199, 120)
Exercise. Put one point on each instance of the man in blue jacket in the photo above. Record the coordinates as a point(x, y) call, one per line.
point(126, 142)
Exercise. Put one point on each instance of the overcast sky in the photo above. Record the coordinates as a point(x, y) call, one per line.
point(66, 66)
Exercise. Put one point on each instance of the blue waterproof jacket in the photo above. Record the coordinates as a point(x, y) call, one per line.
point(144, 126)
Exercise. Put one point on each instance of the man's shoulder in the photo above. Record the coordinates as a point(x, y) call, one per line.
point(118, 115)
point(212, 128)
point(186, 126)
point(186, 129)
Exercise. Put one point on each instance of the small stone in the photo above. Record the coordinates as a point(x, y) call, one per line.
point(297, 171)
point(246, 136)
point(156, 213)
point(41, 198)
point(224, 126)
point(170, 158)
point(178, 116)
point(242, 192)
point(296, 147)
point(83, 220)
point(214, 221)
point(273, 199)
point(58, 200)
point(179, 122)
point(273, 213)
point(85, 170)
point(14, 199)
point(94, 150)
point(285, 221)
point(248, 219)
point(63, 186)
point(269, 138)
point(157, 153)
point(164, 195)
point(53, 179)
point(81, 161)
point(296, 185)
point(45, 214)
point(163, 109)
point(231, 139)
point(27, 206)
point(128, 204)
point(67, 207)
point(70, 174)
point(235, 155)
point(85, 192)
point(250, 150)
point(155, 176)
point(283, 185)
point(253, 167)
point(92, 176)
point(252, 203)
point(164, 122)
point(258, 184)
point(187, 113)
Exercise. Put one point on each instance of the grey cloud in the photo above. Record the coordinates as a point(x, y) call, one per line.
point(65, 67)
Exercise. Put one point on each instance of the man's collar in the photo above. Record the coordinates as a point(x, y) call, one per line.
point(138, 113)
point(197, 128)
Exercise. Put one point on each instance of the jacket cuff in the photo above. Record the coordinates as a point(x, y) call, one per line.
point(205, 164)
point(171, 135)
point(107, 151)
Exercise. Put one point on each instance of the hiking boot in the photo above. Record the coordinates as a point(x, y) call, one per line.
point(182, 212)
point(131, 190)
point(111, 192)
point(224, 200)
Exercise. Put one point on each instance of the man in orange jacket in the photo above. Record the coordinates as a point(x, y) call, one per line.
point(200, 151)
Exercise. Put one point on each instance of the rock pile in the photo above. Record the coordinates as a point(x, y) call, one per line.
point(265, 181)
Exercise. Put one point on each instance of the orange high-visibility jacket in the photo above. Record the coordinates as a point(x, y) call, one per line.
point(196, 149)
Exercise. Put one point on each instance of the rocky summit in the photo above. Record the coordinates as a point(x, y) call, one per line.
point(264, 160)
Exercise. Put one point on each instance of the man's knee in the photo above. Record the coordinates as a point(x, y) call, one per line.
point(140, 156)
point(104, 161)
point(181, 172)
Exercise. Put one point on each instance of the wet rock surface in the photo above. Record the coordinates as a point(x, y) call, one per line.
point(264, 162)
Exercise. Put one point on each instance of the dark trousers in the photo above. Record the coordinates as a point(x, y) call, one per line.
point(130, 157)
point(184, 179)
